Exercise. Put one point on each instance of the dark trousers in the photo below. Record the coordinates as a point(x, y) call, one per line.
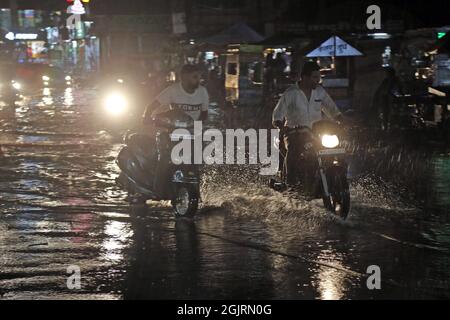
point(161, 179)
point(300, 165)
point(294, 144)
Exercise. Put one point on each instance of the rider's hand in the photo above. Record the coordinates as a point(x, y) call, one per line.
point(340, 120)
point(283, 131)
point(344, 122)
point(278, 124)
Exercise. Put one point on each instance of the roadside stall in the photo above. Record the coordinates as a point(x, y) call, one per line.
point(427, 71)
point(241, 60)
point(441, 84)
point(441, 63)
point(284, 58)
point(243, 74)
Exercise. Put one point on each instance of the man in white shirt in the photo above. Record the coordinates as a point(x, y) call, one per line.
point(187, 95)
point(301, 105)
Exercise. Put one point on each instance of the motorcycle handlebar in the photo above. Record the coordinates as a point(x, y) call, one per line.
point(158, 123)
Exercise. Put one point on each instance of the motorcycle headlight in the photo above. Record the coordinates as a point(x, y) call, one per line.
point(115, 103)
point(16, 85)
point(46, 78)
point(330, 141)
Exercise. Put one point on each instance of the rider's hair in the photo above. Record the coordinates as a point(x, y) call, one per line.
point(189, 68)
point(309, 67)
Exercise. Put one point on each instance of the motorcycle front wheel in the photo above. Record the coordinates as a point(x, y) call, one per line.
point(339, 200)
point(186, 201)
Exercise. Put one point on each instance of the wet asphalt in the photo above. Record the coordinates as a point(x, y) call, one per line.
point(60, 207)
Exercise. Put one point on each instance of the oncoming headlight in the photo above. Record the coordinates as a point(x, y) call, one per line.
point(330, 141)
point(115, 103)
point(16, 85)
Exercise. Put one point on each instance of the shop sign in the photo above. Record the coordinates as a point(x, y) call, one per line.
point(21, 36)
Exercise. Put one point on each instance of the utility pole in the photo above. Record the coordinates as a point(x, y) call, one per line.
point(178, 12)
point(13, 6)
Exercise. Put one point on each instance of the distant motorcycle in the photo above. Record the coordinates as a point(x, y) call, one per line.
point(121, 103)
point(139, 158)
point(11, 92)
point(323, 169)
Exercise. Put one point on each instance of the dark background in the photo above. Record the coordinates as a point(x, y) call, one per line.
point(421, 13)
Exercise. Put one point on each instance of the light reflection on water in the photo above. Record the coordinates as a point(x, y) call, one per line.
point(117, 236)
point(330, 284)
point(68, 97)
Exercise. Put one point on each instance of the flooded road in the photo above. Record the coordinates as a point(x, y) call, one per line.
point(60, 207)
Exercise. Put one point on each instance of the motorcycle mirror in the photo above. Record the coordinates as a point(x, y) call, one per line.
point(126, 137)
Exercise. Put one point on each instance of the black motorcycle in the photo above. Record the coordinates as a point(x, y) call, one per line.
point(141, 162)
point(11, 92)
point(322, 166)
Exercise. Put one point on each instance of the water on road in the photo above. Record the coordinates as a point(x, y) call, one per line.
point(60, 207)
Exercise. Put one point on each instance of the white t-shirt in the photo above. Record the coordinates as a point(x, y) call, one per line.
point(295, 109)
point(175, 96)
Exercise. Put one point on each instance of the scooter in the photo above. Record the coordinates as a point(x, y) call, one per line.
point(322, 166)
point(10, 92)
point(141, 161)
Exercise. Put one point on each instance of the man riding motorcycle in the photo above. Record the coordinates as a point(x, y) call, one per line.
point(299, 107)
point(187, 96)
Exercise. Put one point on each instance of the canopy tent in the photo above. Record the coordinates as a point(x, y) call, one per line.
point(334, 47)
point(237, 34)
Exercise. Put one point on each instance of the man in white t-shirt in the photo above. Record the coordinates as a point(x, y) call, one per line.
point(187, 95)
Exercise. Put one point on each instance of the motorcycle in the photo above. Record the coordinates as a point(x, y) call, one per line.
point(11, 92)
point(323, 169)
point(139, 159)
point(121, 99)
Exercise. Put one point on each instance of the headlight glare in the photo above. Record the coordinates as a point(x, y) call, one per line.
point(115, 103)
point(16, 85)
point(330, 141)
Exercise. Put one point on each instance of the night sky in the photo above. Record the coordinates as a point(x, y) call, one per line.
point(422, 13)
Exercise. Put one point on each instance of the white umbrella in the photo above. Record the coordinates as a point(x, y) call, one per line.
point(334, 47)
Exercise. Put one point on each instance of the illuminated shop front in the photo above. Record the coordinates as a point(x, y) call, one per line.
point(39, 36)
point(26, 41)
point(81, 49)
